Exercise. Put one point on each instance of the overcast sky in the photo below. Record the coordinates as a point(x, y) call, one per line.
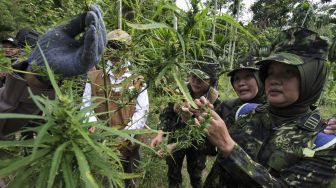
point(247, 15)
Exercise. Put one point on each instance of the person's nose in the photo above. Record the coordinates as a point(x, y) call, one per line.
point(241, 82)
point(274, 79)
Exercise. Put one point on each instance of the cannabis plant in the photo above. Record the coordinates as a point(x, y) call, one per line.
point(63, 153)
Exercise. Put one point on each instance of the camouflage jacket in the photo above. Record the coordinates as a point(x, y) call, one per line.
point(280, 154)
point(228, 109)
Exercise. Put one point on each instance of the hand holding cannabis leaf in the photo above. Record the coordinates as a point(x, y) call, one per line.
point(217, 131)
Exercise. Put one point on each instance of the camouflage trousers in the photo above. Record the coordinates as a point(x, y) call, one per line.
point(195, 165)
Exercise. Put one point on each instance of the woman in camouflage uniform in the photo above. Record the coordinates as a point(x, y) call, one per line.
point(201, 83)
point(248, 87)
point(279, 144)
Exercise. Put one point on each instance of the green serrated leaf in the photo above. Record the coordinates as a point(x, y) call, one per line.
point(84, 168)
point(68, 174)
point(183, 88)
point(55, 163)
point(41, 181)
point(20, 116)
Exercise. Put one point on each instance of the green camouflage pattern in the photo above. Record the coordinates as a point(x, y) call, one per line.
point(294, 43)
point(274, 154)
point(303, 42)
point(200, 74)
point(247, 62)
point(284, 57)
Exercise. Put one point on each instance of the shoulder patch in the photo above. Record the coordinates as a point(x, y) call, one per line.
point(312, 122)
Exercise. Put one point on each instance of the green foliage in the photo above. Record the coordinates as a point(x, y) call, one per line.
point(193, 134)
point(264, 12)
point(64, 149)
point(64, 153)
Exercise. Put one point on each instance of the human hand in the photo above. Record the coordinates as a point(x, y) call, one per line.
point(170, 148)
point(217, 131)
point(202, 104)
point(92, 129)
point(157, 139)
point(186, 114)
point(331, 126)
point(65, 54)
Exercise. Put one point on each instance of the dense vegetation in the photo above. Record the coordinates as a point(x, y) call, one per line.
point(166, 42)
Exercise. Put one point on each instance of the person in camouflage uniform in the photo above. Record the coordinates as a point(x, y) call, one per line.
point(202, 81)
point(245, 81)
point(279, 144)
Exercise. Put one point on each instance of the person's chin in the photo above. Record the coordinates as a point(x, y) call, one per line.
point(245, 97)
point(274, 101)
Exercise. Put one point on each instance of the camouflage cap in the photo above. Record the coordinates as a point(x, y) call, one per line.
point(283, 57)
point(200, 74)
point(294, 44)
point(118, 35)
point(302, 42)
point(247, 62)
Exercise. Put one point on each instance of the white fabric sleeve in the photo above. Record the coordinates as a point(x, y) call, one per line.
point(139, 117)
point(87, 102)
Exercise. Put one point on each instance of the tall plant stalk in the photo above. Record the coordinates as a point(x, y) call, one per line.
point(120, 15)
point(213, 36)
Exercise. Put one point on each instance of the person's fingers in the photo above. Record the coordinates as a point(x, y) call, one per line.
point(186, 104)
point(197, 122)
point(102, 41)
point(204, 101)
point(211, 106)
point(91, 19)
point(74, 27)
point(90, 54)
point(331, 121)
point(200, 119)
point(215, 116)
point(185, 109)
point(96, 9)
point(198, 102)
point(328, 131)
point(153, 143)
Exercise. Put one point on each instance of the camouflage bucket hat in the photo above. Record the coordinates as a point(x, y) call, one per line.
point(283, 57)
point(200, 74)
point(244, 63)
point(293, 44)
